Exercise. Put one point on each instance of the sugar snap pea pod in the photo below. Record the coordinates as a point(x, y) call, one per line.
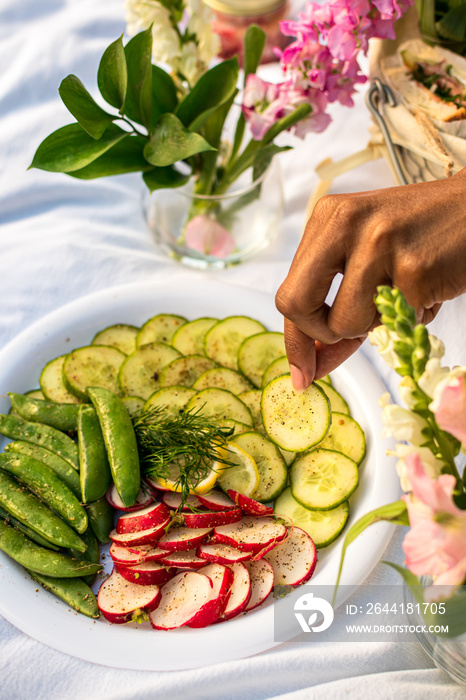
point(120, 441)
point(92, 553)
point(43, 481)
point(43, 561)
point(63, 469)
point(52, 439)
point(63, 416)
point(73, 591)
point(26, 507)
point(94, 469)
point(4, 515)
point(101, 519)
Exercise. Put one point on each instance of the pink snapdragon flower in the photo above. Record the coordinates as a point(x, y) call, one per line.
point(262, 105)
point(208, 236)
point(436, 543)
point(449, 404)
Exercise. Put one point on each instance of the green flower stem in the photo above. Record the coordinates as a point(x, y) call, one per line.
point(444, 448)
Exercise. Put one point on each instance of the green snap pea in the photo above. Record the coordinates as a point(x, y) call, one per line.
point(91, 554)
point(63, 416)
point(4, 515)
point(26, 507)
point(43, 481)
point(52, 439)
point(41, 560)
point(120, 442)
point(63, 469)
point(94, 469)
point(73, 591)
point(101, 519)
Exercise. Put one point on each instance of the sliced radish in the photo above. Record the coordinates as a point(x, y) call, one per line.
point(262, 581)
point(221, 553)
point(294, 560)
point(240, 592)
point(127, 539)
point(183, 560)
point(248, 505)
point(147, 573)
point(182, 599)
point(183, 538)
point(143, 519)
point(154, 485)
point(251, 533)
point(173, 500)
point(212, 519)
point(120, 601)
point(216, 500)
point(222, 578)
point(136, 554)
point(144, 498)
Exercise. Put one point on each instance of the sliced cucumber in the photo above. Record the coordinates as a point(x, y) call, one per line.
point(133, 404)
point(189, 338)
point(323, 526)
point(34, 394)
point(294, 421)
point(140, 372)
point(52, 385)
point(220, 404)
point(185, 370)
point(159, 329)
point(172, 398)
point(92, 365)
point(234, 425)
point(120, 335)
point(345, 435)
point(322, 479)
point(223, 340)
point(252, 399)
point(337, 402)
point(257, 352)
point(270, 464)
point(275, 369)
point(223, 378)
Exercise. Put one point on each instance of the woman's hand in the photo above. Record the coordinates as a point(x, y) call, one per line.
point(412, 237)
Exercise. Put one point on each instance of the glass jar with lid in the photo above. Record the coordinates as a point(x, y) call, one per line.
point(233, 17)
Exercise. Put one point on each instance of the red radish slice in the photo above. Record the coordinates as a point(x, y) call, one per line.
point(251, 533)
point(143, 519)
point(248, 505)
point(216, 500)
point(262, 581)
point(155, 485)
point(146, 573)
point(144, 498)
point(173, 500)
point(222, 578)
point(120, 601)
point(221, 553)
point(182, 599)
point(294, 560)
point(184, 538)
point(240, 592)
point(127, 539)
point(135, 555)
point(212, 519)
point(183, 560)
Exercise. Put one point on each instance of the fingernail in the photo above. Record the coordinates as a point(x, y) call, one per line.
point(297, 378)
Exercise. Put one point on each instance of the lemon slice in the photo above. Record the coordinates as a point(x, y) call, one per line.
point(242, 475)
point(206, 484)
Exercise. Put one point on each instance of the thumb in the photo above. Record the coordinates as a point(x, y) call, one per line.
point(301, 353)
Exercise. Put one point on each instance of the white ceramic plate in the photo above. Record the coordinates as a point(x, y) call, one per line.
point(48, 620)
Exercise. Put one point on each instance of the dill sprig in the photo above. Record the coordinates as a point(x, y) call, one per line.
point(188, 441)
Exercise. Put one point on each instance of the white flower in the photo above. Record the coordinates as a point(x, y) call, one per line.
point(402, 424)
point(200, 24)
point(432, 465)
point(383, 338)
point(140, 14)
point(437, 348)
point(433, 374)
point(189, 64)
point(407, 388)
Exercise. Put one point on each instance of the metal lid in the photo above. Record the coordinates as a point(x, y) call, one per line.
point(245, 7)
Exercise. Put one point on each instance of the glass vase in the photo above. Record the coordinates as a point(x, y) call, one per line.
point(217, 231)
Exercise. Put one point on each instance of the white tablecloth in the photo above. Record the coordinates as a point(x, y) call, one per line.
point(61, 239)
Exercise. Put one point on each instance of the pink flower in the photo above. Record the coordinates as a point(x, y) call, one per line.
point(208, 236)
point(262, 105)
point(449, 405)
point(436, 543)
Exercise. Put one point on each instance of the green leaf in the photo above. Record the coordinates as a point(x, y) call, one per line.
point(264, 158)
point(213, 130)
point(164, 97)
point(453, 24)
point(112, 75)
point(395, 513)
point(71, 148)
point(126, 156)
point(83, 107)
point(211, 90)
point(254, 43)
point(138, 52)
point(161, 178)
point(170, 142)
